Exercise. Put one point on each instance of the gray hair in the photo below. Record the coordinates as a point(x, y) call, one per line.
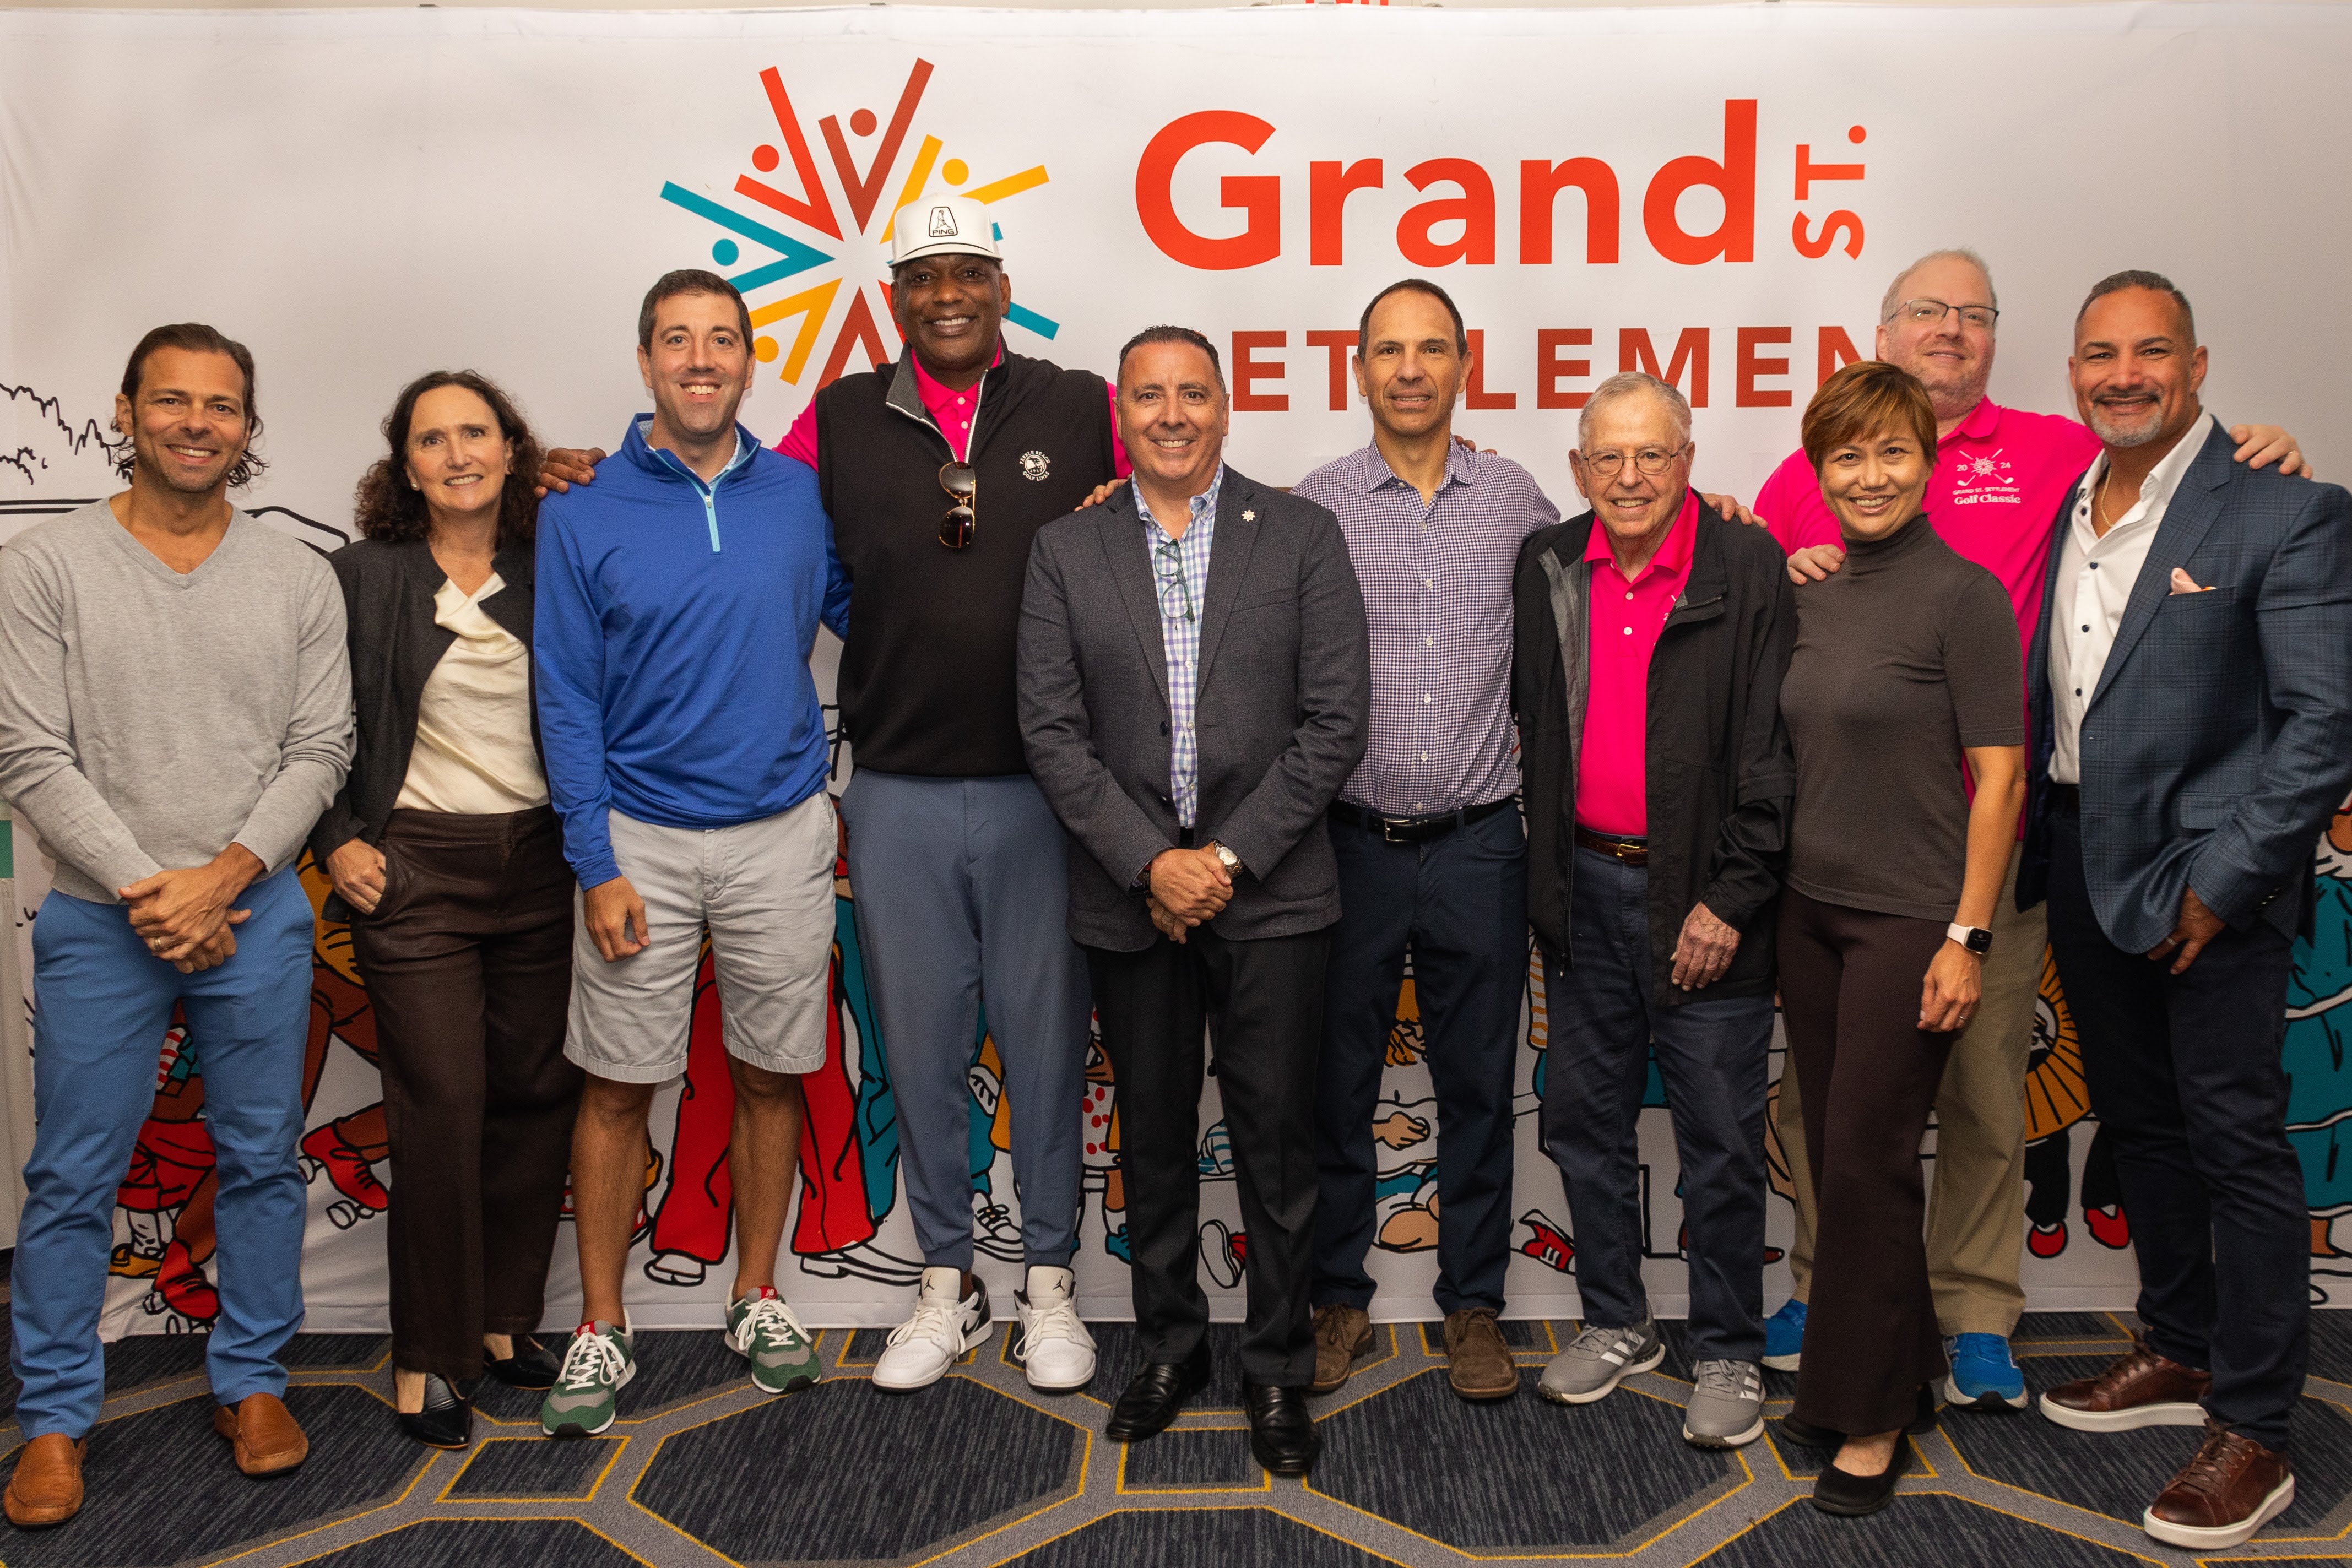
point(1625, 384)
point(1954, 252)
point(2155, 282)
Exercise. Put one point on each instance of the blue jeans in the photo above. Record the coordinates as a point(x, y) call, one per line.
point(1711, 1053)
point(1460, 903)
point(102, 1004)
point(962, 889)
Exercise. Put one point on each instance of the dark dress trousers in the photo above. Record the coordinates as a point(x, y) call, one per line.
point(468, 963)
point(1282, 694)
point(2213, 750)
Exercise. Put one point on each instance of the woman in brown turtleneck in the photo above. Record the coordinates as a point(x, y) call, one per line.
point(1906, 666)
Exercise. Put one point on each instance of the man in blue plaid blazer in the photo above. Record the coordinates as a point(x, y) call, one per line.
point(2192, 697)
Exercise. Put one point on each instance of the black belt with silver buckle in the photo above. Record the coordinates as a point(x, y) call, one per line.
point(1631, 851)
point(1417, 830)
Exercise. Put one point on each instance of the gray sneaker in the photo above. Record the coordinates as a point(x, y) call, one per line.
point(1600, 1359)
point(1727, 1405)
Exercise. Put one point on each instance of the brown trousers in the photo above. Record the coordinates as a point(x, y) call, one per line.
point(1850, 982)
point(467, 962)
point(1976, 1202)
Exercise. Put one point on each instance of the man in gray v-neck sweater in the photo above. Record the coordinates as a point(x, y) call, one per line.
point(171, 736)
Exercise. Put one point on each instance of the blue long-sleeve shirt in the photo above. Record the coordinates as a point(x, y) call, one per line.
point(671, 643)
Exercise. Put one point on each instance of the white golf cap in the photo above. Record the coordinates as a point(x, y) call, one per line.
point(940, 225)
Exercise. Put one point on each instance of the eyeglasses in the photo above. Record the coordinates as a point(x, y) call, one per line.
point(961, 484)
point(1649, 461)
point(1931, 313)
point(1175, 588)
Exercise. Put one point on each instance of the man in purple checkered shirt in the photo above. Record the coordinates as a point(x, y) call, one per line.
point(1431, 852)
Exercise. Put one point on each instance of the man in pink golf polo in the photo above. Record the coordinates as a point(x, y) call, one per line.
point(2001, 476)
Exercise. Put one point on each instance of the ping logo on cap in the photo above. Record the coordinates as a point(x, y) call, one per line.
point(943, 224)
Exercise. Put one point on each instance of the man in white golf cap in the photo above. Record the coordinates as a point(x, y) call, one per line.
point(937, 472)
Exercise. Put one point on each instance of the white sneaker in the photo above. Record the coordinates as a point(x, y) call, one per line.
point(1055, 1348)
point(946, 1323)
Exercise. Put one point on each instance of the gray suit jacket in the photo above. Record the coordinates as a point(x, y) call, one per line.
point(1283, 695)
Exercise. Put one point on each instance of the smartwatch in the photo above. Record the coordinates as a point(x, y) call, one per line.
point(1975, 939)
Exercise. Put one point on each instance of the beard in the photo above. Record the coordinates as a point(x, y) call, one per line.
point(169, 475)
point(2121, 431)
point(1953, 393)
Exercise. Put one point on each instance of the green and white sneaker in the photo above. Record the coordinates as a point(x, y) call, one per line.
point(765, 1333)
point(597, 1364)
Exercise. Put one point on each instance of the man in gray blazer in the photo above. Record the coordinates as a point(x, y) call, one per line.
point(1195, 683)
point(2191, 697)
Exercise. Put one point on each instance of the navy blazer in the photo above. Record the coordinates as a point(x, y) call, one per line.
point(2219, 740)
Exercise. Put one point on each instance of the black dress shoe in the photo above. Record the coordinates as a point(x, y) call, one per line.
point(445, 1422)
point(1836, 1491)
point(1805, 1435)
point(1156, 1393)
point(1282, 1433)
point(532, 1365)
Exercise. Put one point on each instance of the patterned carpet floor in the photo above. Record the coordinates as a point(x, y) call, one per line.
point(980, 1472)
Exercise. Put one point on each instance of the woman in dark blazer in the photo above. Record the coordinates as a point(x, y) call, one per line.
point(448, 861)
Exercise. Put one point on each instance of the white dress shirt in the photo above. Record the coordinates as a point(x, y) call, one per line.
point(2095, 575)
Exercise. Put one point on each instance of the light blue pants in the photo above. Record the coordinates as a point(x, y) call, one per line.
point(962, 889)
point(102, 1004)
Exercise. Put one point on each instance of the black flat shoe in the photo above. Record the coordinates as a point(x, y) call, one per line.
point(445, 1422)
point(532, 1365)
point(1924, 1418)
point(1282, 1433)
point(1156, 1393)
point(1836, 1491)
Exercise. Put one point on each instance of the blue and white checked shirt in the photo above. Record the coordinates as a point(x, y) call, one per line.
point(1437, 593)
point(1180, 574)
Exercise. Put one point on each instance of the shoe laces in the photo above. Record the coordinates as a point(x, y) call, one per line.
point(1726, 1379)
point(2131, 1364)
point(768, 1314)
point(1056, 1319)
point(2209, 1471)
point(1605, 1340)
point(592, 1358)
point(932, 1320)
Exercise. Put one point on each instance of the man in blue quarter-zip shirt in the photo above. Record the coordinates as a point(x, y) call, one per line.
point(685, 752)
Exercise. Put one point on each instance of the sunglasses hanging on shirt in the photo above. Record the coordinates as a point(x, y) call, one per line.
point(961, 484)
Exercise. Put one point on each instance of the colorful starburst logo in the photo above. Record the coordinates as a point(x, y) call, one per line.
point(800, 318)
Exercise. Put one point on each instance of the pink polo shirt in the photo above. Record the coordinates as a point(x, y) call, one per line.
point(1999, 480)
point(950, 410)
point(1613, 765)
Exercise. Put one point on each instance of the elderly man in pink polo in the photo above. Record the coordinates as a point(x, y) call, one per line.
point(2000, 477)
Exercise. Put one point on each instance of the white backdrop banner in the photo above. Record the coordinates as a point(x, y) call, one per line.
point(1721, 193)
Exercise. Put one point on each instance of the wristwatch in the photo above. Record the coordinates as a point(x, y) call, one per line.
point(1226, 857)
point(1975, 939)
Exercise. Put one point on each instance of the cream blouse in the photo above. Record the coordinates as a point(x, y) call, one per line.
point(473, 753)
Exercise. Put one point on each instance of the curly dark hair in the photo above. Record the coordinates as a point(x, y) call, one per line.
point(388, 507)
point(195, 338)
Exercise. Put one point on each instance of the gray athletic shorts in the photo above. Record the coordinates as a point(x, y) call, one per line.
point(765, 891)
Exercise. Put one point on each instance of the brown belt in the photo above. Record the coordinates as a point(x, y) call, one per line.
point(1632, 852)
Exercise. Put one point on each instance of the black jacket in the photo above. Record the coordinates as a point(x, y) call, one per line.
point(388, 592)
point(927, 669)
point(1721, 773)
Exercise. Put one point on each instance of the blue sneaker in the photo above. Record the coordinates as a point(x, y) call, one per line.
point(1984, 1376)
point(1784, 1336)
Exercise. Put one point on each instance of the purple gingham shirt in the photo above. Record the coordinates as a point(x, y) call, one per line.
point(1180, 631)
point(1437, 591)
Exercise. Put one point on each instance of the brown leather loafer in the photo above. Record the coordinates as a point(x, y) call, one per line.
point(1342, 1334)
point(1478, 1364)
point(2137, 1389)
point(2231, 1488)
point(268, 1439)
point(46, 1487)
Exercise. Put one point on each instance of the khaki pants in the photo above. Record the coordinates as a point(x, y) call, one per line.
point(1976, 1208)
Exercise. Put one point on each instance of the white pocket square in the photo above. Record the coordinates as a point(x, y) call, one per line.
point(2184, 583)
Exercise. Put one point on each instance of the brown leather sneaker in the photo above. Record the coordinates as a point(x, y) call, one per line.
point(1478, 1364)
point(1341, 1335)
point(2138, 1389)
point(46, 1487)
point(268, 1439)
point(2232, 1487)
